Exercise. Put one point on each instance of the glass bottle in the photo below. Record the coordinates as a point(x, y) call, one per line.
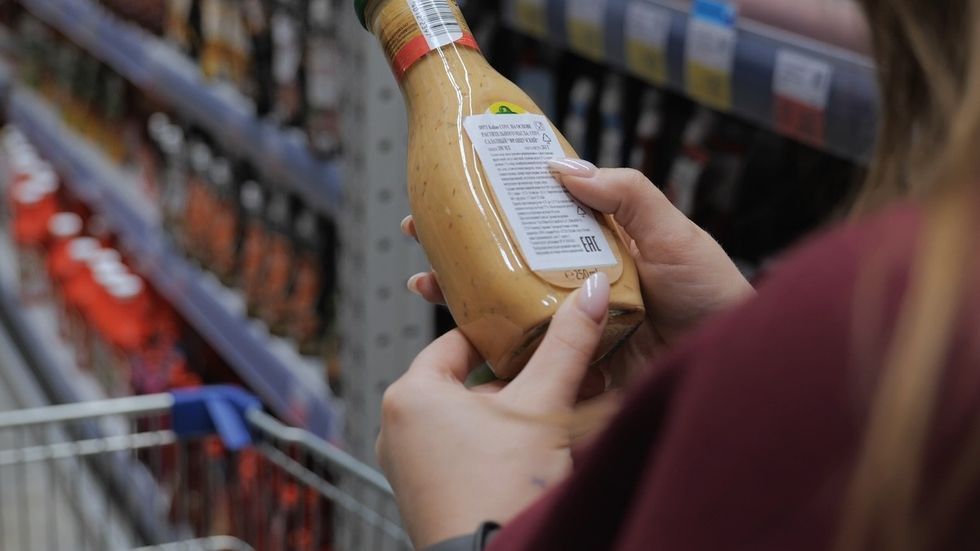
point(507, 242)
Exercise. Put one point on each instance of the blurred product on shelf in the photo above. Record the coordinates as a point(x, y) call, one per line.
point(323, 79)
point(287, 28)
point(689, 166)
point(150, 14)
point(118, 327)
point(279, 254)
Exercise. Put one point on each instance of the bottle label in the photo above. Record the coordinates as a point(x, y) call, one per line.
point(436, 23)
point(555, 232)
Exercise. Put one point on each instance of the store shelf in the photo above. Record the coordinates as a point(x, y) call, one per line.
point(282, 379)
point(282, 157)
point(848, 118)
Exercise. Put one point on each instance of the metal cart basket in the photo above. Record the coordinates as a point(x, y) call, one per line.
point(201, 469)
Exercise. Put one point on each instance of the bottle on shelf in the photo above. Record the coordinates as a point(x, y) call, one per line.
point(611, 139)
point(35, 203)
point(309, 307)
point(196, 206)
point(323, 79)
point(286, 24)
point(643, 154)
point(576, 124)
point(258, 81)
point(255, 240)
point(688, 168)
point(223, 230)
point(507, 241)
point(277, 264)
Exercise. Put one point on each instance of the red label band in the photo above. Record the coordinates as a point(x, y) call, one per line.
point(800, 121)
point(417, 48)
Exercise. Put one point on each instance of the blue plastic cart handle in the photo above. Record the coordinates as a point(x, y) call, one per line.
point(217, 410)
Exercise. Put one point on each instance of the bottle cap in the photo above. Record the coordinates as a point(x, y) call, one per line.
point(28, 195)
point(126, 287)
point(252, 198)
point(359, 6)
point(44, 180)
point(65, 224)
point(109, 274)
point(200, 157)
point(157, 125)
point(106, 256)
point(82, 248)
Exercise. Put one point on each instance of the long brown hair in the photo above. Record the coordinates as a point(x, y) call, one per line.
point(928, 55)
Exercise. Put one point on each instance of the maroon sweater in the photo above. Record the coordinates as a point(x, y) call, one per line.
point(745, 437)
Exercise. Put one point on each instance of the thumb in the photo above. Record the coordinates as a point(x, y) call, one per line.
point(643, 211)
point(557, 369)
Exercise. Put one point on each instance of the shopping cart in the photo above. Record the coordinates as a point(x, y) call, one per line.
point(201, 469)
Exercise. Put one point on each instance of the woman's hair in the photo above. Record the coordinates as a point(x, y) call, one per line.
point(928, 56)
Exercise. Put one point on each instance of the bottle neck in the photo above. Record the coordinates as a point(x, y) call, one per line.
point(412, 30)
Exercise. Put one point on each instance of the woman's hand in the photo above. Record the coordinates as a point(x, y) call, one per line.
point(458, 457)
point(685, 275)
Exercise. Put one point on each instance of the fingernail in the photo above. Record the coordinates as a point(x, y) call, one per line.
point(572, 167)
point(593, 299)
point(405, 222)
point(413, 283)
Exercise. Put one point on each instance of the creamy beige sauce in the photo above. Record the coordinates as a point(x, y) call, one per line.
point(501, 306)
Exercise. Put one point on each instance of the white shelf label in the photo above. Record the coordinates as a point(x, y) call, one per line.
point(530, 15)
point(592, 12)
point(555, 232)
point(586, 25)
point(802, 78)
point(710, 50)
point(711, 45)
point(647, 24)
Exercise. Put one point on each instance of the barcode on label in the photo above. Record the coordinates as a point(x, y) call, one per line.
point(438, 22)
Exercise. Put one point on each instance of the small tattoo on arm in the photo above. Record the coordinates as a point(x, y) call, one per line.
point(539, 482)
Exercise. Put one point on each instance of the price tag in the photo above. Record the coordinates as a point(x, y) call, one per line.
point(586, 23)
point(531, 16)
point(710, 54)
point(801, 90)
point(647, 33)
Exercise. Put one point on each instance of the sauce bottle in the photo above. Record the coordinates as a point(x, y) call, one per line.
point(508, 243)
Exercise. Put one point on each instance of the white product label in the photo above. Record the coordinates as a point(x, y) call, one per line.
point(802, 78)
point(711, 45)
point(438, 22)
point(647, 24)
point(592, 12)
point(554, 230)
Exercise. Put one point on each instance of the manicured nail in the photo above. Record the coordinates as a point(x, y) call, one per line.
point(572, 167)
point(413, 283)
point(405, 223)
point(593, 299)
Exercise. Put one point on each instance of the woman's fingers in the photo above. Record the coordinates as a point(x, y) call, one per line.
point(642, 210)
point(450, 357)
point(426, 285)
point(555, 373)
point(408, 227)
